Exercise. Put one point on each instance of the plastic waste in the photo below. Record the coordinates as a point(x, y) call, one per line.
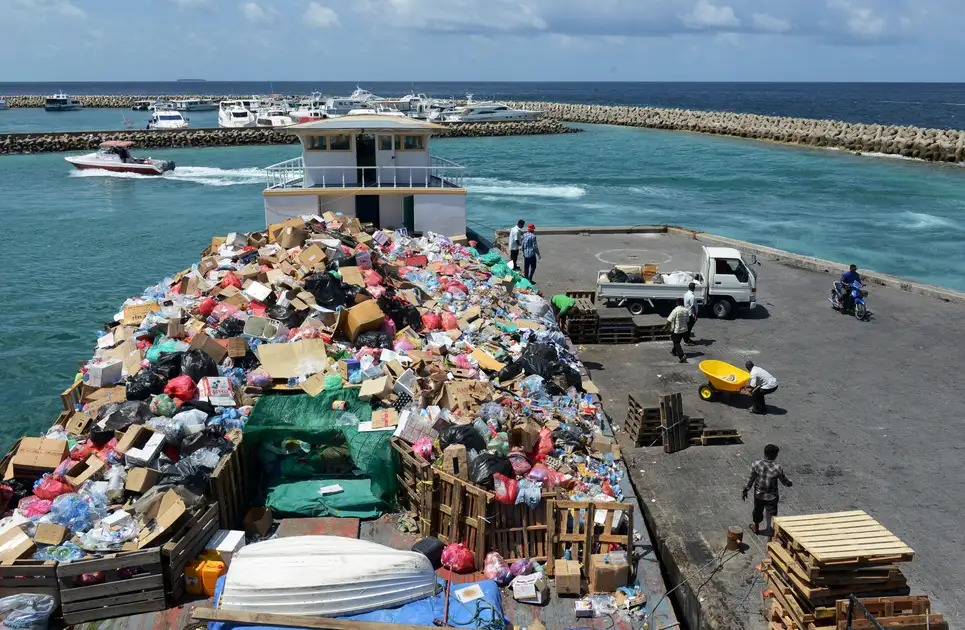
point(27, 611)
point(423, 448)
point(181, 387)
point(64, 552)
point(197, 364)
point(457, 557)
point(163, 405)
point(464, 434)
point(529, 493)
point(48, 487)
point(347, 419)
point(496, 569)
point(119, 416)
point(520, 463)
point(144, 384)
point(71, 511)
point(522, 566)
point(505, 488)
point(482, 469)
point(34, 507)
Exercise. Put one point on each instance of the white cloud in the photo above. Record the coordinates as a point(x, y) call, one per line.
point(707, 15)
point(256, 14)
point(767, 22)
point(320, 16)
point(859, 20)
point(57, 8)
point(460, 16)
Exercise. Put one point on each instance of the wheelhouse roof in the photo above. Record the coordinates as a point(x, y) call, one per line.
point(364, 122)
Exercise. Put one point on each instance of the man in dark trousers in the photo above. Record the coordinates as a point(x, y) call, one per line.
point(515, 240)
point(765, 473)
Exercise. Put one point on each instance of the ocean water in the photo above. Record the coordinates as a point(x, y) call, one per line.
point(940, 105)
point(79, 243)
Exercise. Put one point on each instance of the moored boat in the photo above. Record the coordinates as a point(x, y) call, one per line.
point(60, 102)
point(167, 119)
point(114, 156)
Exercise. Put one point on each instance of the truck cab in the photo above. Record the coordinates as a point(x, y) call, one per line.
point(727, 280)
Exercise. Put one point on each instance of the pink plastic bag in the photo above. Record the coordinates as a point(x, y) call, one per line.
point(431, 321)
point(182, 388)
point(505, 489)
point(497, 569)
point(520, 463)
point(402, 345)
point(371, 278)
point(545, 446)
point(49, 488)
point(388, 327)
point(456, 557)
point(521, 567)
point(423, 448)
point(230, 280)
point(449, 321)
point(32, 506)
point(206, 306)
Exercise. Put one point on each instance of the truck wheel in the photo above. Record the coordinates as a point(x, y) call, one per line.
point(637, 308)
point(723, 309)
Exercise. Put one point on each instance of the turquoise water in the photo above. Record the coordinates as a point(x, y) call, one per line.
point(79, 243)
point(35, 120)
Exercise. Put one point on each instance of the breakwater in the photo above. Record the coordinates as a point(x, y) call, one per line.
point(17, 143)
point(113, 100)
point(934, 145)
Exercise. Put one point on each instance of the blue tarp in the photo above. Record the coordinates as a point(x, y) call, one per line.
point(486, 612)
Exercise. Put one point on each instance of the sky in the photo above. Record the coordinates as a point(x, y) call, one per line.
point(483, 40)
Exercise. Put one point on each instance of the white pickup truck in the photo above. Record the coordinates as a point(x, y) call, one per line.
point(726, 281)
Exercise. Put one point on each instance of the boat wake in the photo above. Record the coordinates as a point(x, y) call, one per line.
point(509, 188)
point(204, 175)
point(923, 221)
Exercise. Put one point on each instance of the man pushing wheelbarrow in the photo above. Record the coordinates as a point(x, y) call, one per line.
point(724, 378)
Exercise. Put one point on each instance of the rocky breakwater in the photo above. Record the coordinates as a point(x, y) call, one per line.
point(16, 143)
point(110, 100)
point(935, 145)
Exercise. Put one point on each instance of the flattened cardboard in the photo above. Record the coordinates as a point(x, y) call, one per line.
point(82, 471)
point(50, 534)
point(141, 479)
point(15, 544)
point(283, 360)
point(135, 314)
point(258, 521)
point(363, 318)
point(385, 418)
point(486, 361)
point(36, 456)
point(313, 257)
point(315, 385)
point(351, 275)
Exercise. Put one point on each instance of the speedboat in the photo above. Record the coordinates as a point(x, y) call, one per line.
point(62, 103)
point(308, 113)
point(235, 114)
point(114, 156)
point(167, 119)
point(195, 105)
point(378, 111)
point(141, 106)
point(273, 118)
point(324, 576)
point(160, 105)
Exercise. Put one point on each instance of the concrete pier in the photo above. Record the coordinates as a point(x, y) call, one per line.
point(17, 143)
point(934, 145)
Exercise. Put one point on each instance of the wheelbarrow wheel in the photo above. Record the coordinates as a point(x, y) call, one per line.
point(706, 392)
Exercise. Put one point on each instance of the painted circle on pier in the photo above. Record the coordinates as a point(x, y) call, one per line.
point(628, 256)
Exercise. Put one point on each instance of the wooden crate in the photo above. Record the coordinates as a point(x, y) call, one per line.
point(414, 476)
point(573, 528)
point(460, 514)
point(519, 532)
point(121, 594)
point(72, 396)
point(185, 546)
point(29, 576)
point(227, 488)
point(909, 613)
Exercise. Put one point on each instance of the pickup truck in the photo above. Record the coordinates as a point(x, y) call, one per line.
point(726, 281)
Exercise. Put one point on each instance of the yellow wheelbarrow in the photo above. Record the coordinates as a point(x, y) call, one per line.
point(721, 378)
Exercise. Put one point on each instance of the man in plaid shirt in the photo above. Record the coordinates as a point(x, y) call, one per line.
point(765, 473)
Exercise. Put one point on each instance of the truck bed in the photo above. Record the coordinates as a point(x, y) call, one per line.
point(639, 290)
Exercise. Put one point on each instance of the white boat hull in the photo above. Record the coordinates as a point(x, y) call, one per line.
point(324, 575)
point(148, 167)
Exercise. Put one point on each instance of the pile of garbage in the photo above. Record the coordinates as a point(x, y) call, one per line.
point(423, 338)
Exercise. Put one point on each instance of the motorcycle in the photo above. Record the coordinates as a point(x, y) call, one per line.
point(858, 294)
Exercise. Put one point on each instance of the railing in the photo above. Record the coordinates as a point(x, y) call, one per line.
point(440, 173)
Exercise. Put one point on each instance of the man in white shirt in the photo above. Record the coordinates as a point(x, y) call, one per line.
point(677, 321)
point(515, 236)
point(761, 384)
point(690, 303)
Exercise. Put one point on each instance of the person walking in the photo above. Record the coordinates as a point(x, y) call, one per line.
point(690, 303)
point(677, 321)
point(515, 234)
point(765, 473)
point(530, 251)
point(762, 383)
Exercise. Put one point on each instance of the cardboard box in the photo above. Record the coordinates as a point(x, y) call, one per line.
point(83, 471)
point(531, 589)
point(258, 521)
point(257, 291)
point(379, 387)
point(275, 229)
point(145, 454)
point(105, 373)
point(455, 461)
point(36, 456)
point(160, 520)
point(141, 479)
point(363, 318)
point(606, 578)
point(79, 423)
point(292, 237)
point(567, 575)
point(486, 361)
point(209, 346)
point(385, 418)
point(217, 391)
point(237, 347)
point(135, 314)
point(288, 360)
point(136, 436)
point(227, 542)
point(50, 534)
point(15, 544)
point(313, 257)
point(352, 275)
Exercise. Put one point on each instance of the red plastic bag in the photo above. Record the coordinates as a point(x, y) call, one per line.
point(455, 285)
point(456, 557)
point(431, 321)
point(423, 448)
point(545, 446)
point(371, 278)
point(49, 488)
point(206, 306)
point(230, 280)
point(182, 388)
point(449, 321)
point(505, 488)
point(31, 506)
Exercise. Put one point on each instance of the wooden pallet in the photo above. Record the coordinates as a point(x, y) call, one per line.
point(801, 612)
point(828, 595)
point(576, 294)
point(840, 539)
point(789, 565)
point(414, 476)
point(134, 584)
point(227, 488)
point(29, 576)
point(519, 532)
point(185, 546)
point(709, 437)
point(461, 511)
point(573, 527)
point(673, 423)
point(584, 306)
point(908, 613)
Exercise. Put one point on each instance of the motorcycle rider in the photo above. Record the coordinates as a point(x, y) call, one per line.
point(848, 278)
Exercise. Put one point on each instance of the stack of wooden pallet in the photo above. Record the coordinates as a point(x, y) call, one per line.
point(616, 326)
point(816, 559)
point(646, 427)
point(582, 322)
point(651, 328)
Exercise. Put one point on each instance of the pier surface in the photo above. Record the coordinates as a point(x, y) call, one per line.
point(867, 416)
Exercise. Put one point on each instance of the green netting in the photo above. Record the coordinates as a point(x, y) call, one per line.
point(312, 420)
point(491, 258)
point(301, 498)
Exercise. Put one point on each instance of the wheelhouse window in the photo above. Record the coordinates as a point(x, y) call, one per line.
point(410, 143)
point(385, 143)
point(316, 143)
point(340, 143)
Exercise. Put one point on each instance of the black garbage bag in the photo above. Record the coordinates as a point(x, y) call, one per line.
point(482, 469)
point(285, 314)
point(19, 489)
point(203, 405)
point(119, 416)
point(326, 289)
point(511, 371)
point(374, 339)
point(209, 437)
point(541, 359)
point(144, 384)
point(563, 437)
point(169, 364)
point(463, 434)
point(431, 548)
point(197, 364)
point(187, 473)
point(231, 327)
point(615, 275)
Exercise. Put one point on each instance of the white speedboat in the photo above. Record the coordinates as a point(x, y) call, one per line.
point(487, 112)
point(160, 105)
point(325, 576)
point(273, 118)
point(141, 106)
point(3, 103)
point(235, 114)
point(62, 103)
point(308, 113)
point(114, 156)
point(167, 119)
point(195, 105)
point(376, 111)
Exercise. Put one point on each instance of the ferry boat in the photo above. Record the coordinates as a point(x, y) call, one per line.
point(60, 102)
point(167, 119)
point(141, 106)
point(113, 155)
point(235, 114)
point(195, 105)
point(371, 166)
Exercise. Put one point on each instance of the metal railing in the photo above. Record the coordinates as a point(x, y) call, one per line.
point(441, 173)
